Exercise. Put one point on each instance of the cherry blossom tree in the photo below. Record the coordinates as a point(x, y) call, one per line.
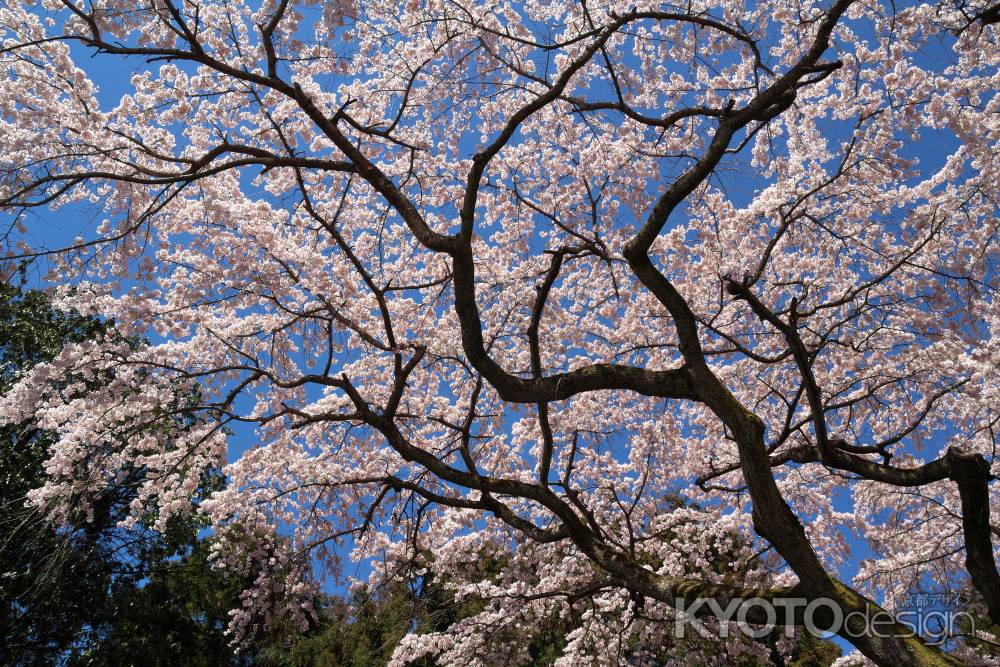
point(611, 292)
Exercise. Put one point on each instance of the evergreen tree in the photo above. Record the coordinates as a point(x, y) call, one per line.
point(91, 592)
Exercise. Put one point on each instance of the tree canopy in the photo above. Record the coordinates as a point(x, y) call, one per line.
point(89, 592)
point(655, 303)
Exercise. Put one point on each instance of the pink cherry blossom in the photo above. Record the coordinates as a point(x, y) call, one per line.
point(613, 293)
